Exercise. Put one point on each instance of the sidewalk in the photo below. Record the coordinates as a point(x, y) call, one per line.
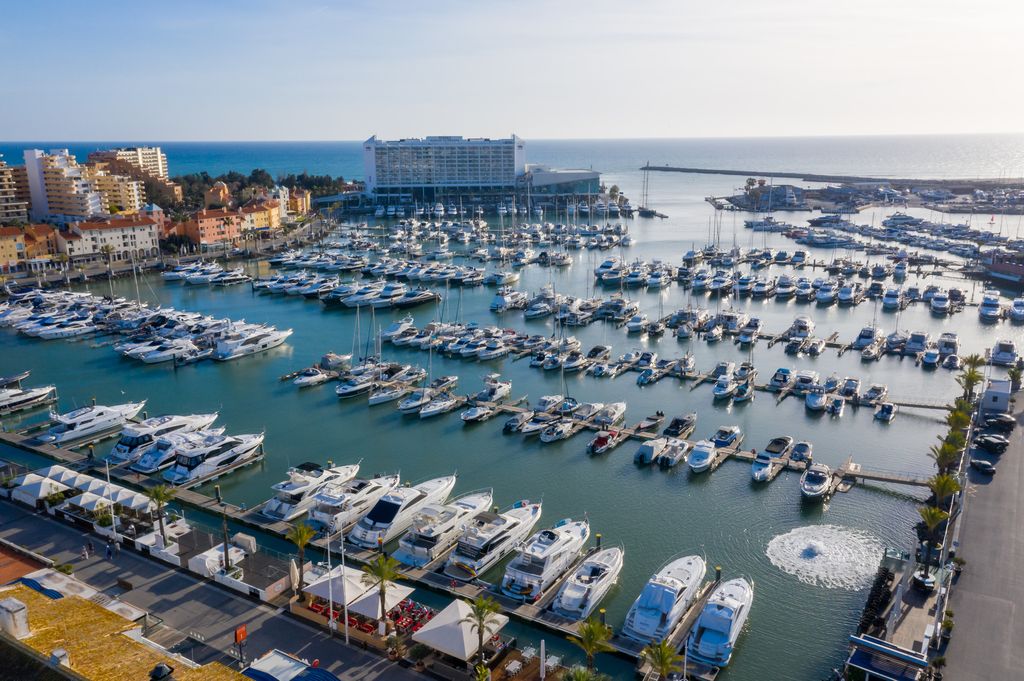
point(988, 600)
point(188, 604)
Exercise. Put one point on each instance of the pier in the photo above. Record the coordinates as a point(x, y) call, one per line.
point(844, 179)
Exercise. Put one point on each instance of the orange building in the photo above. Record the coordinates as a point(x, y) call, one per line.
point(40, 242)
point(217, 195)
point(222, 225)
point(299, 201)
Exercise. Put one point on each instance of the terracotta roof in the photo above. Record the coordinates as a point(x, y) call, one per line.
point(118, 223)
point(10, 231)
point(218, 213)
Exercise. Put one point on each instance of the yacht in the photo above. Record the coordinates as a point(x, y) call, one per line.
point(724, 388)
point(393, 513)
point(702, 455)
point(804, 380)
point(786, 288)
point(1004, 353)
point(437, 526)
point(949, 343)
point(727, 436)
point(589, 583)
point(489, 538)
point(931, 357)
point(296, 495)
point(815, 398)
point(338, 506)
point(939, 304)
point(162, 453)
point(249, 342)
point(138, 438)
point(990, 309)
point(192, 462)
point(89, 421)
point(815, 480)
point(637, 323)
point(442, 404)
point(674, 451)
point(781, 379)
point(544, 558)
point(610, 414)
point(875, 393)
point(664, 600)
point(916, 343)
point(1017, 310)
point(14, 398)
point(803, 327)
point(714, 635)
point(761, 467)
point(869, 335)
point(885, 412)
point(893, 299)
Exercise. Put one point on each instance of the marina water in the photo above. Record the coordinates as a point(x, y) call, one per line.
point(797, 628)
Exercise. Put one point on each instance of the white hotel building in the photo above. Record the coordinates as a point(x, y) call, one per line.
point(433, 167)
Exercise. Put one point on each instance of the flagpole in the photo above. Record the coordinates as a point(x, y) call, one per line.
point(344, 586)
point(331, 626)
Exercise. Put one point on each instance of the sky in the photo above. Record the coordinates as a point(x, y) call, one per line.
point(556, 69)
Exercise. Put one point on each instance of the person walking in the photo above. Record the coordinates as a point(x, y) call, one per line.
point(85, 552)
point(110, 551)
point(90, 547)
point(117, 549)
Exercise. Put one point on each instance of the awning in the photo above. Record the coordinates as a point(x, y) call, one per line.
point(368, 605)
point(91, 502)
point(35, 490)
point(336, 584)
point(447, 633)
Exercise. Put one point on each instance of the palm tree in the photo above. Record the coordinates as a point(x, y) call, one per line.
point(1015, 373)
point(662, 657)
point(301, 534)
point(942, 486)
point(592, 636)
point(955, 439)
point(974, 361)
point(481, 618)
point(108, 251)
point(584, 674)
point(945, 456)
point(932, 518)
point(160, 495)
point(969, 380)
point(380, 572)
point(958, 420)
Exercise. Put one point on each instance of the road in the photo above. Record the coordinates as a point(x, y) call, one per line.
point(188, 604)
point(988, 600)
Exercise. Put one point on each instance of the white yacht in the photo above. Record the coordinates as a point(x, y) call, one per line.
point(139, 438)
point(394, 512)
point(949, 343)
point(714, 635)
point(489, 538)
point(92, 420)
point(893, 299)
point(162, 453)
point(15, 399)
point(803, 327)
point(437, 526)
point(1004, 353)
point(167, 351)
point(815, 398)
point(990, 309)
point(589, 583)
point(194, 462)
point(249, 342)
point(815, 480)
point(869, 335)
point(544, 558)
point(940, 303)
point(664, 600)
point(1016, 310)
point(295, 495)
point(337, 506)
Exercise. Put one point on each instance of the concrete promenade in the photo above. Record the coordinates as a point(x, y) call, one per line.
point(187, 604)
point(988, 600)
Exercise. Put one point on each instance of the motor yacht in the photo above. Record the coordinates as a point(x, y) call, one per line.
point(990, 309)
point(893, 299)
point(296, 495)
point(939, 304)
point(804, 380)
point(714, 635)
point(397, 328)
point(138, 438)
point(850, 388)
point(249, 342)
point(194, 462)
point(1017, 310)
point(869, 335)
point(394, 512)
point(162, 453)
point(589, 583)
point(916, 343)
point(949, 343)
point(549, 402)
point(488, 538)
point(337, 506)
point(664, 600)
point(875, 393)
point(724, 388)
point(441, 404)
point(437, 526)
point(1004, 353)
point(358, 384)
point(544, 558)
point(815, 481)
point(93, 420)
point(781, 379)
point(802, 327)
point(14, 399)
point(637, 323)
point(701, 456)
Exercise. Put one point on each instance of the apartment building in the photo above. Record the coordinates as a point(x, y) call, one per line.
point(12, 207)
point(12, 249)
point(121, 193)
point(60, 188)
point(221, 225)
point(119, 238)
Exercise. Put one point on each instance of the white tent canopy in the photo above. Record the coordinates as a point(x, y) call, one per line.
point(91, 502)
point(447, 633)
point(33, 490)
point(336, 584)
point(368, 605)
